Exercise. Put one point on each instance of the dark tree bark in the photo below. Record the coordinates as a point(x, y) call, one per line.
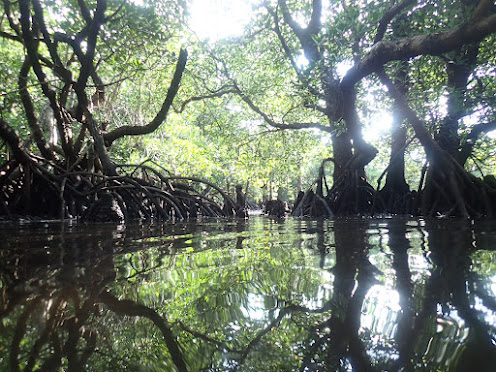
point(343, 152)
point(450, 190)
point(395, 191)
point(458, 69)
point(161, 115)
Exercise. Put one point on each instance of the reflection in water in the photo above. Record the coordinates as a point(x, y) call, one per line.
point(262, 294)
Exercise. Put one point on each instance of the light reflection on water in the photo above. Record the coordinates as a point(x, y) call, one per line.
point(261, 294)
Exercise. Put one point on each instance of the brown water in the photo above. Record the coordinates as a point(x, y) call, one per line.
point(256, 295)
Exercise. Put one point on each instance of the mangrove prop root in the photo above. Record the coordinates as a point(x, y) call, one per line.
point(38, 189)
point(448, 191)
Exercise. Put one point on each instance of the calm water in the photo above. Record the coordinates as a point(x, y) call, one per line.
point(256, 295)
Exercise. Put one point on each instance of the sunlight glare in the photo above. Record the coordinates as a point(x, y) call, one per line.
point(380, 310)
point(301, 61)
point(216, 19)
point(343, 67)
point(379, 125)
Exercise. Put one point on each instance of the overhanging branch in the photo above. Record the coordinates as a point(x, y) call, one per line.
point(216, 94)
point(432, 44)
point(388, 16)
point(275, 124)
point(134, 130)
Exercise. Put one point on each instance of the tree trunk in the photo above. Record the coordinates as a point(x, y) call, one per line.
point(342, 153)
point(458, 70)
point(449, 190)
point(396, 188)
point(395, 179)
point(363, 152)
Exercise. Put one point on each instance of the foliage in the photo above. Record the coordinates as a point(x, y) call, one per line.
point(303, 83)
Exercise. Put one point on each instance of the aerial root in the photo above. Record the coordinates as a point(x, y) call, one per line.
point(141, 193)
point(350, 195)
point(450, 191)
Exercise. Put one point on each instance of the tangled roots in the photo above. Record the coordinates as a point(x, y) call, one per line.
point(141, 192)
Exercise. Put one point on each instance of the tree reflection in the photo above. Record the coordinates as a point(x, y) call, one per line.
point(50, 316)
point(336, 339)
point(451, 286)
point(251, 295)
point(53, 302)
point(399, 245)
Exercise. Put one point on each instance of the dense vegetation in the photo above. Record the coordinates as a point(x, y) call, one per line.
point(119, 105)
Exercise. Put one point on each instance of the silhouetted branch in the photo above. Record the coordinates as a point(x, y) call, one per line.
point(388, 16)
point(129, 130)
point(216, 94)
point(430, 44)
point(275, 124)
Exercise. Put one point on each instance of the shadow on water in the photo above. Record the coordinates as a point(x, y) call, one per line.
point(260, 294)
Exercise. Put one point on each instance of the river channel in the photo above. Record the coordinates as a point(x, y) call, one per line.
point(249, 295)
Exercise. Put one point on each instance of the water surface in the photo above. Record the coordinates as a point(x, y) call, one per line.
point(254, 295)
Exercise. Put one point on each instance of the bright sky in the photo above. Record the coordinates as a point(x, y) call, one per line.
point(217, 19)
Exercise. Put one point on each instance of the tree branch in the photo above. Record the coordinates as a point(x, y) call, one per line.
point(430, 146)
point(85, 12)
point(388, 16)
point(482, 9)
point(478, 129)
point(30, 111)
point(52, 47)
point(14, 141)
point(216, 94)
point(275, 124)
point(289, 54)
point(133, 130)
point(297, 29)
point(314, 25)
point(6, 35)
point(473, 136)
point(32, 47)
point(432, 44)
point(93, 30)
point(305, 35)
point(13, 25)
